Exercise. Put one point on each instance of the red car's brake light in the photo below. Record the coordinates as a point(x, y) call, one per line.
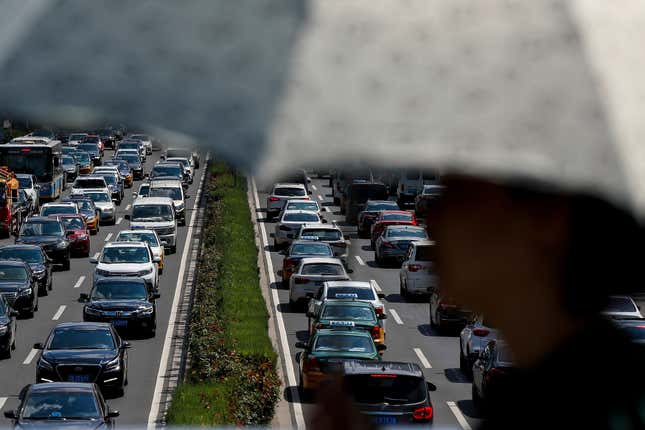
point(414, 267)
point(423, 414)
point(300, 280)
point(274, 199)
point(481, 332)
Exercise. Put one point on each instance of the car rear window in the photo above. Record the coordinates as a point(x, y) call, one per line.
point(348, 313)
point(289, 192)
point(58, 210)
point(620, 304)
point(89, 183)
point(406, 232)
point(350, 293)
point(321, 234)
point(313, 248)
point(382, 206)
point(303, 206)
point(322, 269)
point(390, 389)
point(397, 217)
point(301, 217)
point(425, 253)
point(335, 343)
point(364, 192)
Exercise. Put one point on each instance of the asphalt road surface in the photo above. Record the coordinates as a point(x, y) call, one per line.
point(61, 305)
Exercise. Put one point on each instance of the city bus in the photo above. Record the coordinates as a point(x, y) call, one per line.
point(38, 156)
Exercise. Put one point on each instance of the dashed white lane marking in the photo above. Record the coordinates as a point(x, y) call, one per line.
point(108, 237)
point(291, 375)
point(326, 209)
point(119, 220)
point(79, 282)
point(96, 255)
point(460, 417)
point(3, 400)
point(58, 313)
point(320, 197)
point(314, 187)
point(377, 287)
point(360, 260)
point(30, 356)
point(396, 317)
point(127, 208)
point(422, 358)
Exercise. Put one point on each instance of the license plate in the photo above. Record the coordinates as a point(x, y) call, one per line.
point(109, 313)
point(119, 323)
point(384, 420)
point(78, 378)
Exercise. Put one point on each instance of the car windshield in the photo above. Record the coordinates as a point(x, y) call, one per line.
point(61, 405)
point(350, 293)
point(24, 182)
point(313, 248)
point(301, 217)
point(345, 343)
point(322, 269)
point(13, 273)
point(393, 389)
point(120, 291)
point(144, 190)
point(321, 234)
point(431, 190)
point(82, 157)
point(110, 179)
point(425, 253)
point(166, 171)
point(101, 197)
point(620, 304)
point(88, 147)
point(172, 192)
point(130, 158)
point(29, 255)
point(73, 223)
point(89, 183)
point(82, 338)
point(140, 137)
point(42, 228)
point(58, 210)
point(67, 160)
point(351, 313)
point(302, 206)
point(125, 254)
point(407, 232)
point(148, 237)
point(289, 192)
point(375, 207)
point(84, 204)
point(129, 145)
point(396, 217)
point(152, 213)
point(76, 136)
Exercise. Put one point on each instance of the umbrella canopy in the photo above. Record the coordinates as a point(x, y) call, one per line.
point(546, 91)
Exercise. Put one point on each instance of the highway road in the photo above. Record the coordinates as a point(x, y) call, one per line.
point(61, 305)
point(408, 334)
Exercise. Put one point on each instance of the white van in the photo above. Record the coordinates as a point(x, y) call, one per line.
point(173, 190)
point(158, 214)
point(411, 183)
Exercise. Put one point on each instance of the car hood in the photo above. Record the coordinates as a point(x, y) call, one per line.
point(123, 267)
point(39, 240)
point(119, 305)
point(58, 424)
point(80, 356)
point(11, 286)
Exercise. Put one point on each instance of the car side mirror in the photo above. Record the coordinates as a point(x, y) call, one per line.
point(10, 414)
point(310, 314)
point(380, 347)
point(187, 196)
point(127, 216)
point(84, 298)
point(301, 345)
point(94, 260)
point(156, 296)
point(36, 187)
point(157, 259)
point(431, 386)
point(125, 345)
point(382, 316)
point(163, 157)
point(113, 413)
point(14, 314)
point(380, 295)
point(283, 252)
point(324, 221)
point(39, 346)
point(135, 195)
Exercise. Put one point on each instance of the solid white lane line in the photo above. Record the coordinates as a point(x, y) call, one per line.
point(163, 363)
point(119, 220)
point(291, 376)
point(79, 282)
point(313, 187)
point(422, 358)
point(360, 260)
point(59, 312)
point(377, 287)
point(3, 400)
point(460, 417)
point(96, 255)
point(396, 317)
point(127, 208)
point(320, 197)
point(30, 356)
point(108, 237)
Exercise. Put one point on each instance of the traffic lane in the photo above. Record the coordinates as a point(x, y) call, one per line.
point(142, 364)
point(401, 349)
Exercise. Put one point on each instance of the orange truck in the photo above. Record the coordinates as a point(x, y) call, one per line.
point(8, 223)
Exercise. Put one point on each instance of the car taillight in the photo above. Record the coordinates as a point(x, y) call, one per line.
point(379, 310)
point(305, 198)
point(288, 262)
point(494, 373)
point(414, 267)
point(388, 244)
point(274, 199)
point(423, 414)
point(300, 280)
point(376, 332)
point(312, 364)
point(481, 332)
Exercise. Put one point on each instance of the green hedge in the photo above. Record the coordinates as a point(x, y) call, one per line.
point(232, 377)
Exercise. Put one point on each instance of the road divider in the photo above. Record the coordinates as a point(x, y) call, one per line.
point(79, 282)
point(59, 313)
point(422, 358)
point(30, 356)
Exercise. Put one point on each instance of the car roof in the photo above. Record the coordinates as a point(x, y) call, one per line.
point(61, 386)
point(299, 211)
point(120, 279)
point(423, 243)
point(61, 203)
point(166, 163)
point(405, 227)
point(360, 367)
point(330, 260)
point(165, 183)
point(125, 245)
point(139, 230)
point(397, 212)
point(348, 302)
point(90, 177)
point(309, 242)
point(21, 246)
point(82, 324)
point(319, 226)
point(302, 201)
point(342, 332)
point(152, 201)
point(39, 218)
point(351, 284)
point(380, 201)
point(288, 185)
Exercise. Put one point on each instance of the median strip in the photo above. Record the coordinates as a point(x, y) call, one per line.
point(59, 313)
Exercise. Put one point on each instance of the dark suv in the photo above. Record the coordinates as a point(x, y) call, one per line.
point(357, 195)
point(48, 233)
point(390, 393)
point(19, 286)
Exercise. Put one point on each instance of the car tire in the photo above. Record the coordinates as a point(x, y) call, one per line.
point(173, 249)
point(6, 354)
point(161, 271)
point(285, 284)
point(42, 291)
point(404, 290)
point(118, 202)
point(67, 263)
point(463, 363)
point(50, 285)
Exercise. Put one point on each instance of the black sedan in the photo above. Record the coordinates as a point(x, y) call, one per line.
point(40, 264)
point(124, 302)
point(62, 404)
point(48, 233)
point(7, 328)
point(84, 352)
point(18, 286)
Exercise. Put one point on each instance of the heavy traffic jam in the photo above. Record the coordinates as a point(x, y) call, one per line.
point(59, 193)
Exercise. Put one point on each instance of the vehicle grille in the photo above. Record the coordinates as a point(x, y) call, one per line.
point(65, 371)
point(120, 274)
point(10, 297)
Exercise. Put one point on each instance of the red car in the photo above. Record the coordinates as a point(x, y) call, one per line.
point(386, 218)
point(77, 233)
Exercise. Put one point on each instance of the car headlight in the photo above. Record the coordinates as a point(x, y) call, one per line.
point(81, 237)
point(4, 329)
point(180, 207)
point(113, 364)
point(61, 245)
point(145, 311)
point(25, 292)
point(145, 272)
point(45, 364)
point(102, 272)
point(91, 311)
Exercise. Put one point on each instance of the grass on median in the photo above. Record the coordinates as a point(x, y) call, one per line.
point(231, 354)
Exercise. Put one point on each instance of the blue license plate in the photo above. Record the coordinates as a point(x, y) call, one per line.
point(78, 378)
point(119, 323)
point(384, 420)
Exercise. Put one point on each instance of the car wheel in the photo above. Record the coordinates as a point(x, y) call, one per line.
point(173, 249)
point(478, 402)
point(7, 352)
point(463, 364)
point(13, 344)
point(66, 263)
point(42, 291)
point(161, 271)
point(50, 284)
point(285, 284)
point(118, 202)
point(401, 291)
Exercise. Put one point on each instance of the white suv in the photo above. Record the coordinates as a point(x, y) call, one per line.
point(173, 190)
point(281, 193)
point(89, 182)
point(472, 340)
point(417, 273)
point(158, 214)
point(128, 259)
